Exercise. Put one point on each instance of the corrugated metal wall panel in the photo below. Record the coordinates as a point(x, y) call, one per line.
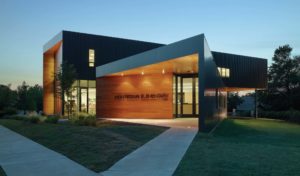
point(245, 71)
point(107, 49)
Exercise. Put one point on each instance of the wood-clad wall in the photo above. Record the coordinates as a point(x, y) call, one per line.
point(135, 96)
point(48, 78)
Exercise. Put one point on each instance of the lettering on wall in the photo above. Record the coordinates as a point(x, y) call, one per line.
point(143, 96)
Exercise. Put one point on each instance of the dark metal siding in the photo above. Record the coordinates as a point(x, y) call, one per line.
point(107, 49)
point(245, 71)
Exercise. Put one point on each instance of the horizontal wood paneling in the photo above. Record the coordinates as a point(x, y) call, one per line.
point(110, 89)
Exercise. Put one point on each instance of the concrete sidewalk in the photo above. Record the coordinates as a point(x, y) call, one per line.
point(20, 156)
point(159, 157)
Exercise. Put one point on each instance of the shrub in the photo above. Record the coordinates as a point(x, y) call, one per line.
point(84, 120)
point(52, 119)
point(8, 111)
point(291, 115)
point(34, 119)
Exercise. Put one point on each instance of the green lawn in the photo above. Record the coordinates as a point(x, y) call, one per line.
point(245, 147)
point(96, 148)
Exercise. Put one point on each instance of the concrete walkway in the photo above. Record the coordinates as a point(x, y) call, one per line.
point(21, 156)
point(161, 155)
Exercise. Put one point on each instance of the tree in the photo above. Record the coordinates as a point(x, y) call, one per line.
point(35, 99)
point(284, 81)
point(233, 101)
point(64, 79)
point(8, 97)
point(23, 103)
point(29, 98)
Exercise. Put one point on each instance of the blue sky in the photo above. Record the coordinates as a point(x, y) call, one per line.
point(253, 27)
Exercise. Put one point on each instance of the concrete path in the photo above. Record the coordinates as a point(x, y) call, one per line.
point(21, 156)
point(161, 155)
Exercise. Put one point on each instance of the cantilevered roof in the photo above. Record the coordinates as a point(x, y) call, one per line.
point(175, 50)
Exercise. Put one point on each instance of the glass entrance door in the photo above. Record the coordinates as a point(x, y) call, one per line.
point(186, 95)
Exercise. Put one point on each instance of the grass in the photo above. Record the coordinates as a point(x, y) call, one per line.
point(96, 148)
point(245, 147)
point(2, 173)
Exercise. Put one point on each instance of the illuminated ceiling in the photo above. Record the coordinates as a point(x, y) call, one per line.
point(182, 65)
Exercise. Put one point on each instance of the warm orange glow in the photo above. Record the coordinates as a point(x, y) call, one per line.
point(110, 107)
point(48, 80)
point(185, 64)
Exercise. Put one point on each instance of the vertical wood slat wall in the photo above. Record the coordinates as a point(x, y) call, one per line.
point(48, 79)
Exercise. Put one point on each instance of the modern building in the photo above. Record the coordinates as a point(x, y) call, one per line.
point(121, 78)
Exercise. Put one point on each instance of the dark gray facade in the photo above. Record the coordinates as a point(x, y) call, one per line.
point(107, 49)
point(245, 71)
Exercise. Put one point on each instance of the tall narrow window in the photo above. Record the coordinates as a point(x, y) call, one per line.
point(91, 58)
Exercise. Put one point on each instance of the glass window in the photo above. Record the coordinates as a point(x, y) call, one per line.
point(227, 73)
point(91, 58)
point(75, 84)
point(187, 95)
point(91, 64)
point(92, 101)
point(92, 83)
point(83, 83)
point(197, 95)
point(174, 95)
point(83, 99)
point(224, 72)
point(219, 69)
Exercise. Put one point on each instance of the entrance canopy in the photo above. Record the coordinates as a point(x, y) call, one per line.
point(182, 65)
point(169, 57)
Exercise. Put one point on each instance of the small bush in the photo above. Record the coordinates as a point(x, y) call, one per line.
point(84, 120)
point(52, 119)
point(8, 111)
point(34, 119)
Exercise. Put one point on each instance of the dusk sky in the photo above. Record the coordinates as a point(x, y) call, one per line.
point(253, 27)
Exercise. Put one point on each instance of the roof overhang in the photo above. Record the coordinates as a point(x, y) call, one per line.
point(168, 54)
